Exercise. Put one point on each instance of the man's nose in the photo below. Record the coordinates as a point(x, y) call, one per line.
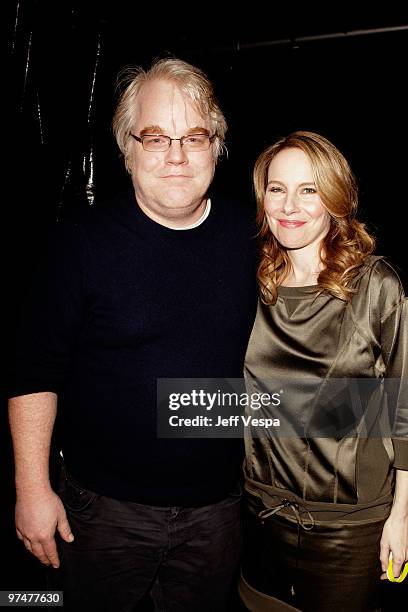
point(175, 153)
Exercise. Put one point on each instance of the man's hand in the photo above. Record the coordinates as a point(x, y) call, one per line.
point(37, 518)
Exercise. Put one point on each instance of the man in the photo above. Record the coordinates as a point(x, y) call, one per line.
point(158, 284)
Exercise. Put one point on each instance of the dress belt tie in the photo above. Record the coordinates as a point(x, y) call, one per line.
point(286, 503)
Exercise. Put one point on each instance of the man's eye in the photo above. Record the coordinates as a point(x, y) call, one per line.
point(155, 139)
point(195, 139)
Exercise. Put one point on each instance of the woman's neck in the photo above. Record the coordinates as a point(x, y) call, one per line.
point(306, 267)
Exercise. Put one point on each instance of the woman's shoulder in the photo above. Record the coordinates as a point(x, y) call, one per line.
point(379, 282)
point(379, 270)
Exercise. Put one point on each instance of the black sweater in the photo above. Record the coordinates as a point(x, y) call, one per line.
point(123, 302)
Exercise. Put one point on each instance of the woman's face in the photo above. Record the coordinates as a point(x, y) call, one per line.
point(295, 213)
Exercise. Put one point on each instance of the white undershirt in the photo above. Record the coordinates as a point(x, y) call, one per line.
point(200, 220)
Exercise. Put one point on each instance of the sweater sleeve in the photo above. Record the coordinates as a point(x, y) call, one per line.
point(52, 316)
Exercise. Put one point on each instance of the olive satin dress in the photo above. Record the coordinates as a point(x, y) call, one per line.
point(316, 506)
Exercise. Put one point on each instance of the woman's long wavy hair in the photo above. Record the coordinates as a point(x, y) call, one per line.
point(347, 243)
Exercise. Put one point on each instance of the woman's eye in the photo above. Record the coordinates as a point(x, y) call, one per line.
point(308, 190)
point(275, 189)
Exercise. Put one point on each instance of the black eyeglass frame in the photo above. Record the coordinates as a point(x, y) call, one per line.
point(170, 140)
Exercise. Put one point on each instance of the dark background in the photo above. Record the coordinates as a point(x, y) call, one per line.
point(334, 72)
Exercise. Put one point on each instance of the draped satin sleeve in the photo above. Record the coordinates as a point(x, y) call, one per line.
point(394, 344)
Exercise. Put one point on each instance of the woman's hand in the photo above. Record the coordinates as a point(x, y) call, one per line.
point(395, 532)
point(394, 539)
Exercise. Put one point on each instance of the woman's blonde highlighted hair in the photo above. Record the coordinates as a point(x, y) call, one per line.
point(191, 81)
point(347, 243)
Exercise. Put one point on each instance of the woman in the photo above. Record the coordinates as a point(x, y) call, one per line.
point(324, 513)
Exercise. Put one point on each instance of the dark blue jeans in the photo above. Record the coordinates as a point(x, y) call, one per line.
point(185, 557)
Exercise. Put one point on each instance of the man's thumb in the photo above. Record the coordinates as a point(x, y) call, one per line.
point(65, 530)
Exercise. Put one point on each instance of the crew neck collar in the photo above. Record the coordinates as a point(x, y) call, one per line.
point(136, 219)
point(200, 220)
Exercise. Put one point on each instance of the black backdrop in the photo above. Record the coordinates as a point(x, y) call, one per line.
point(337, 74)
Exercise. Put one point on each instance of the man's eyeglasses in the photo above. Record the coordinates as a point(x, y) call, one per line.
point(190, 142)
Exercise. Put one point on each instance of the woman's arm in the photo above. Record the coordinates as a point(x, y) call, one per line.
point(394, 347)
point(395, 532)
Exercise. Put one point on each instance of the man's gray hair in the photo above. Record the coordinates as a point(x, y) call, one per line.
point(192, 81)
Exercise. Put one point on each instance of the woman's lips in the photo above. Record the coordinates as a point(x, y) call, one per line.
point(291, 224)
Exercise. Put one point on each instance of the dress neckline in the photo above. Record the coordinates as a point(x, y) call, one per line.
point(296, 292)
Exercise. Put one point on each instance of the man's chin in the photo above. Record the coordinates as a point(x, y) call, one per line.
point(181, 199)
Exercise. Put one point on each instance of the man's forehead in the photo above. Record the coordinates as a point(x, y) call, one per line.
point(159, 102)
